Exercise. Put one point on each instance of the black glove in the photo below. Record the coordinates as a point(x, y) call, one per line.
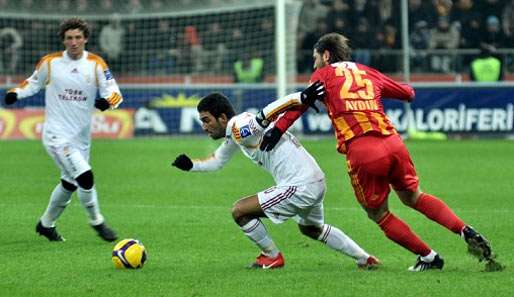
point(10, 98)
point(270, 139)
point(183, 162)
point(102, 104)
point(315, 91)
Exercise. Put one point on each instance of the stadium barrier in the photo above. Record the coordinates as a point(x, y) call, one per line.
point(473, 110)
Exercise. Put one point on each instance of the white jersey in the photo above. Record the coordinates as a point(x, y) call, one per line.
point(289, 163)
point(71, 89)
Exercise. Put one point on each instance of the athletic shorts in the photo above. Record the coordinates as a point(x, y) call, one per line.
point(71, 158)
point(376, 163)
point(304, 203)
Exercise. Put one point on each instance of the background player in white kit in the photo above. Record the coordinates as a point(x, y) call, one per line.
point(300, 182)
point(71, 80)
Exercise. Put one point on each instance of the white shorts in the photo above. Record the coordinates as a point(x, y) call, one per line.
point(71, 158)
point(304, 203)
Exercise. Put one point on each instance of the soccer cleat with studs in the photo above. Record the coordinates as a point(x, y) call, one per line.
point(266, 262)
point(480, 247)
point(421, 265)
point(371, 263)
point(50, 233)
point(105, 232)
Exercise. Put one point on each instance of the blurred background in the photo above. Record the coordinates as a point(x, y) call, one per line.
point(166, 54)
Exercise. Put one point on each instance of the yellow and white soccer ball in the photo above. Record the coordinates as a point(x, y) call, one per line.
point(129, 253)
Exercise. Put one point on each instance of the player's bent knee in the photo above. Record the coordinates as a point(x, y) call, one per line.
point(86, 180)
point(311, 231)
point(375, 215)
point(239, 216)
point(68, 186)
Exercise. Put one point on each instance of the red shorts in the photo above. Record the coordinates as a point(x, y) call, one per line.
point(376, 162)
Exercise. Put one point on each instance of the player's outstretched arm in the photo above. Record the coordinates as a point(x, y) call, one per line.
point(214, 162)
point(183, 162)
point(308, 97)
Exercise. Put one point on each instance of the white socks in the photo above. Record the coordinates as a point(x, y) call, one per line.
point(256, 231)
point(430, 257)
point(337, 240)
point(59, 199)
point(89, 201)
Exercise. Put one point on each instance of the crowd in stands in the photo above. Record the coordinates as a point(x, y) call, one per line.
point(445, 35)
point(437, 28)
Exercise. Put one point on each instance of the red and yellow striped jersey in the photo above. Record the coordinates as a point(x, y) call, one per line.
point(353, 101)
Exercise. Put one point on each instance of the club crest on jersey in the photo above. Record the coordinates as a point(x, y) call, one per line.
point(108, 74)
point(245, 131)
point(235, 133)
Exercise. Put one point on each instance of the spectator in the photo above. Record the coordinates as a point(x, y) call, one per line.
point(133, 48)
point(443, 7)
point(487, 67)
point(361, 9)
point(48, 6)
point(421, 11)
point(236, 44)
point(493, 35)
point(362, 42)
point(387, 12)
point(249, 69)
point(446, 37)
point(107, 6)
point(64, 6)
point(264, 39)
point(305, 55)
point(111, 41)
point(508, 21)
point(34, 45)
point(4, 5)
point(164, 56)
point(27, 5)
point(419, 39)
point(490, 7)
point(467, 17)
point(214, 47)
point(156, 5)
point(10, 45)
point(134, 7)
point(388, 40)
point(82, 6)
point(508, 29)
point(463, 15)
point(338, 16)
point(312, 11)
point(194, 47)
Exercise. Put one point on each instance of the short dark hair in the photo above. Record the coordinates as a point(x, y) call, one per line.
point(216, 104)
point(336, 44)
point(74, 23)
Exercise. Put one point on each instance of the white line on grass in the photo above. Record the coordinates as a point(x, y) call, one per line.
point(217, 207)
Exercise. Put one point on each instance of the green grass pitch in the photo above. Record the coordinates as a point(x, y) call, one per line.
point(195, 249)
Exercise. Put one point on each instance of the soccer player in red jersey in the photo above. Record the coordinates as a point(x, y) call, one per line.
point(376, 156)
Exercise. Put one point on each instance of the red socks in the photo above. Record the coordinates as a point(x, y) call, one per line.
point(399, 232)
point(436, 210)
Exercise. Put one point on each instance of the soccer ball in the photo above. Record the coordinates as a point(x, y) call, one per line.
point(129, 253)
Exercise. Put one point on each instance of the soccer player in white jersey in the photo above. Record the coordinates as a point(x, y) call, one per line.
point(300, 183)
point(71, 79)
